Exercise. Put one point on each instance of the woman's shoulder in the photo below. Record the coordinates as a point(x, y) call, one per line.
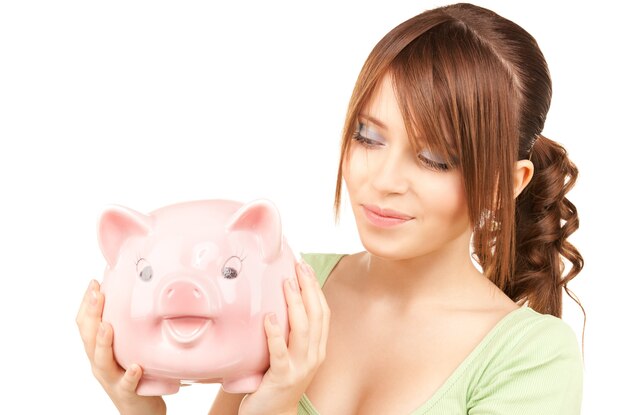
point(526, 336)
point(528, 328)
point(532, 352)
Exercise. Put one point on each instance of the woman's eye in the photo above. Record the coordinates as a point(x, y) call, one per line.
point(433, 161)
point(366, 136)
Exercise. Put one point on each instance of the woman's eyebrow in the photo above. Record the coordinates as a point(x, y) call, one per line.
point(373, 120)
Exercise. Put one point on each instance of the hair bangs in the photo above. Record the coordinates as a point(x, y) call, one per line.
point(423, 101)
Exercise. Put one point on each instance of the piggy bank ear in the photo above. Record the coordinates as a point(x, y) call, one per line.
point(117, 224)
point(261, 218)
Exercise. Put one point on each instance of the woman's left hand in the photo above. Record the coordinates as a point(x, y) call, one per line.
point(293, 366)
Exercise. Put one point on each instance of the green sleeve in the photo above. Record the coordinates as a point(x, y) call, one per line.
point(541, 375)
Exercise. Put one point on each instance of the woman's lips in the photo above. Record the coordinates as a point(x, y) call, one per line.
point(384, 217)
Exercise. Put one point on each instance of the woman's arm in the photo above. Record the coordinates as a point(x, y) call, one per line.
point(226, 403)
point(97, 338)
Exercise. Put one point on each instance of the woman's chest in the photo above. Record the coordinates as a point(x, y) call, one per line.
point(380, 363)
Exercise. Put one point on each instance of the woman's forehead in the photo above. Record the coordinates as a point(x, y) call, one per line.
point(383, 107)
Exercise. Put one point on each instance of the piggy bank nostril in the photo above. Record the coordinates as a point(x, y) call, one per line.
point(182, 292)
point(184, 298)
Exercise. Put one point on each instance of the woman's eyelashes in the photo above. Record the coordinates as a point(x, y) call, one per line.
point(369, 138)
point(433, 161)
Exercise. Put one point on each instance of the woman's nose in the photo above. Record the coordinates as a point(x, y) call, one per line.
point(390, 173)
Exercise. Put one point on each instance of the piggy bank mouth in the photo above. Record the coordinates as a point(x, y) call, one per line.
point(185, 329)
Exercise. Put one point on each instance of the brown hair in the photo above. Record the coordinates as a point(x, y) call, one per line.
point(476, 87)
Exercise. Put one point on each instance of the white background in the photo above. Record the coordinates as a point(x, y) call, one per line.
point(149, 103)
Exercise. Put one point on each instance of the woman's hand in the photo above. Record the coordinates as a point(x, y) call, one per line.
point(292, 367)
point(97, 337)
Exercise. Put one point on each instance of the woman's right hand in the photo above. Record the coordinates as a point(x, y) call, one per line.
point(292, 366)
point(119, 384)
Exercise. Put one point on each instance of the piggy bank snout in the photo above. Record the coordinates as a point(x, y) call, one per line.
point(186, 298)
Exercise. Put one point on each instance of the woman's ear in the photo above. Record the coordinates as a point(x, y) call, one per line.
point(524, 170)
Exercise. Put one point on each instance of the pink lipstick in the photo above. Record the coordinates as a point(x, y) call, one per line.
point(384, 218)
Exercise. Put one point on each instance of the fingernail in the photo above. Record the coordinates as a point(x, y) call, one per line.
point(101, 330)
point(306, 268)
point(132, 370)
point(273, 319)
point(93, 297)
point(293, 285)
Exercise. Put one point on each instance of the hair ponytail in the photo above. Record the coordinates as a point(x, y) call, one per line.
point(545, 218)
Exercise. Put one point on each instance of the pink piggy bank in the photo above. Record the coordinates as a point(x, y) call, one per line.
point(187, 288)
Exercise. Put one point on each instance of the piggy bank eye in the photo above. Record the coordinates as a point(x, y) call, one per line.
point(232, 267)
point(144, 269)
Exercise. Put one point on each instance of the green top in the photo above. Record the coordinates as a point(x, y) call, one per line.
point(528, 364)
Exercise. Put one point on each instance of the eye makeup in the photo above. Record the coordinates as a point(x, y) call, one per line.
point(367, 135)
point(433, 161)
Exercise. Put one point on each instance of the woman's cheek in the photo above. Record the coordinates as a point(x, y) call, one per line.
point(355, 167)
point(444, 191)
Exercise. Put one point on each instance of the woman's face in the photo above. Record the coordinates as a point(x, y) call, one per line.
point(406, 203)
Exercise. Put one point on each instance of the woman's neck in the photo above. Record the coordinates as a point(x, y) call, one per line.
point(445, 277)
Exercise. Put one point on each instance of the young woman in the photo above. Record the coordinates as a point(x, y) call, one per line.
point(442, 155)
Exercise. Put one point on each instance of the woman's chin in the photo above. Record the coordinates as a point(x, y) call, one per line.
point(387, 251)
